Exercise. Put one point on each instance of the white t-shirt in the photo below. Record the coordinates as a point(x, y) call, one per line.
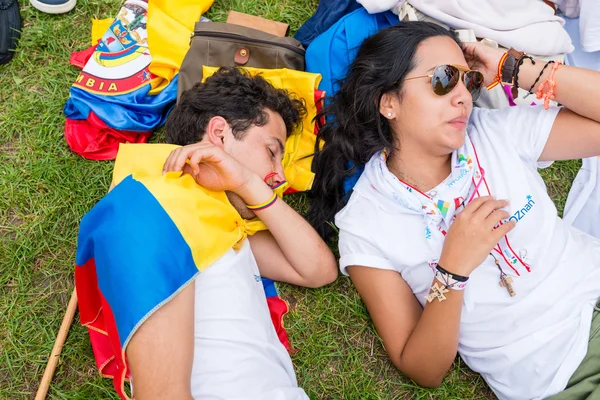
point(237, 354)
point(582, 209)
point(525, 347)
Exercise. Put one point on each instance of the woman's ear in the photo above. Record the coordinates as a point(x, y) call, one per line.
point(386, 106)
point(216, 129)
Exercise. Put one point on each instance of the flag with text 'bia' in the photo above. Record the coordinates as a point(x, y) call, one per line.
point(129, 83)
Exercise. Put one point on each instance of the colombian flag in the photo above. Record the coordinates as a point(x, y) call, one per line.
point(129, 83)
point(143, 243)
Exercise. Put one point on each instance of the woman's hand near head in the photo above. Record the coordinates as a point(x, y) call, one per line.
point(483, 58)
point(473, 235)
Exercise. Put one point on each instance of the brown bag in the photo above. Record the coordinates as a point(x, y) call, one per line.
point(217, 44)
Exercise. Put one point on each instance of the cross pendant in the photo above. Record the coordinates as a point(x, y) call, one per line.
point(506, 281)
point(437, 291)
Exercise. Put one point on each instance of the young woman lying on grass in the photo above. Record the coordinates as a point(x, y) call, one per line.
point(449, 235)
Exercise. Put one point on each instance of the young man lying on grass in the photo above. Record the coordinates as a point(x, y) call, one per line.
point(172, 261)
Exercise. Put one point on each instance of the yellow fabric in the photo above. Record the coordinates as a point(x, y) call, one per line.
point(208, 222)
point(99, 28)
point(170, 24)
point(300, 146)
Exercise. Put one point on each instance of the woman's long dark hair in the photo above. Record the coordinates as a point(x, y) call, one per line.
point(355, 130)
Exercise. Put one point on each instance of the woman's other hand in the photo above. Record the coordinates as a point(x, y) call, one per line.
point(474, 233)
point(483, 58)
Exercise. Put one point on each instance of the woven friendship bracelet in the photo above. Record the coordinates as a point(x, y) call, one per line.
point(264, 205)
point(538, 78)
point(525, 57)
point(498, 78)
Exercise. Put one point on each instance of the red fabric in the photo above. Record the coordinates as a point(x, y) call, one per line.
point(94, 140)
point(290, 190)
point(80, 58)
point(103, 352)
point(278, 308)
point(319, 94)
point(120, 364)
point(95, 313)
point(319, 99)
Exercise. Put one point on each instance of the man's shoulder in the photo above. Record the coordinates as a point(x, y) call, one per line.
point(141, 158)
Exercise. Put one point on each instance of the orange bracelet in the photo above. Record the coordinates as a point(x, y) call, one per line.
point(549, 93)
point(498, 77)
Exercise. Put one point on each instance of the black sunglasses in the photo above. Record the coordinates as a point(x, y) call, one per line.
point(445, 78)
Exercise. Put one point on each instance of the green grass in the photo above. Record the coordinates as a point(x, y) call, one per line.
point(45, 189)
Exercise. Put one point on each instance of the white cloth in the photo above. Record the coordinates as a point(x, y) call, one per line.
point(237, 354)
point(527, 346)
point(437, 215)
point(582, 209)
point(579, 57)
point(590, 25)
point(526, 25)
point(377, 6)
point(570, 8)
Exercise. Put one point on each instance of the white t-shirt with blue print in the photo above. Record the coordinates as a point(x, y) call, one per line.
point(527, 346)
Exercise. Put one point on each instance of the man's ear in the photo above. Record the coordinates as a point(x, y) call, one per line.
point(216, 129)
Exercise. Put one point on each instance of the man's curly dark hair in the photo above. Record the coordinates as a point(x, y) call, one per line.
point(233, 94)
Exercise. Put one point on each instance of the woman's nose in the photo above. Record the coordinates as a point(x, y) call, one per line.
point(461, 95)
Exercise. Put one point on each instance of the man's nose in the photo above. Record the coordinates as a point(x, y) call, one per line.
point(278, 175)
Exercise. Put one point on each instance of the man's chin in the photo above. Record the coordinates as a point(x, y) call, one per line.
point(239, 205)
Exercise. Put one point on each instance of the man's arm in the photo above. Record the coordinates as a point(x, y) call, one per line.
point(291, 251)
point(161, 352)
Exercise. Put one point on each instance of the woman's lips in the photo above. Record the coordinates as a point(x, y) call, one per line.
point(459, 123)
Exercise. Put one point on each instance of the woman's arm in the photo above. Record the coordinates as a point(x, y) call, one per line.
point(576, 130)
point(422, 343)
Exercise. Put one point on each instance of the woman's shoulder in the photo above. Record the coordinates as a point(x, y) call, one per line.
point(509, 118)
point(368, 213)
point(359, 210)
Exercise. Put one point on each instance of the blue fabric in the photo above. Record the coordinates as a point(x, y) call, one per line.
point(332, 52)
point(134, 111)
point(269, 287)
point(328, 13)
point(141, 257)
point(350, 181)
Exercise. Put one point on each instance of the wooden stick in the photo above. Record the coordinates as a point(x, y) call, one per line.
point(58, 345)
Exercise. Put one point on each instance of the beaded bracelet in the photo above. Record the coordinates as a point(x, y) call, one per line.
point(546, 89)
point(264, 205)
point(519, 68)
